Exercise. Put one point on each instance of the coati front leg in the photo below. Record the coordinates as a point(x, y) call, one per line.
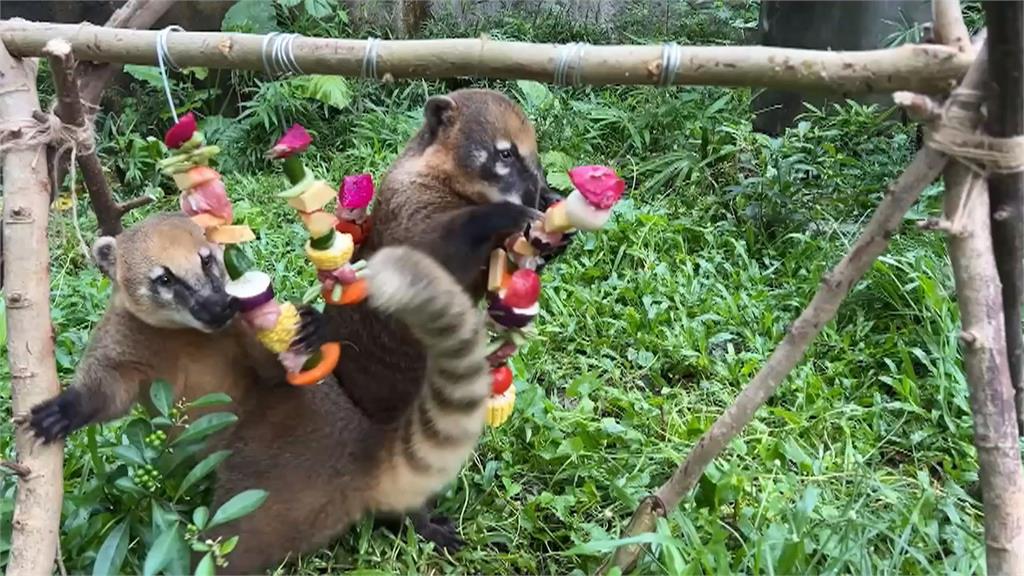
point(99, 393)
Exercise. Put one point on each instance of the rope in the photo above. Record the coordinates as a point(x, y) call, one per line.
point(671, 56)
point(983, 154)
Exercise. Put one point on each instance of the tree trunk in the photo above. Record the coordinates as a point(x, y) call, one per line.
point(30, 337)
point(825, 25)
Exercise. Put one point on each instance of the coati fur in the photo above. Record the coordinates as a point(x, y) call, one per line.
point(468, 179)
point(323, 462)
point(169, 318)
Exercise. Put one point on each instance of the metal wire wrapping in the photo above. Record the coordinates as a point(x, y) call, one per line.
point(369, 68)
point(278, 55)
point(570, 56)
point(164, 60)
point(671, 56)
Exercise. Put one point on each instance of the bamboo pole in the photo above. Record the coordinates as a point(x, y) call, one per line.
point(37, 503)
point(920, 68)
point(1006, 120)
point(835, 285)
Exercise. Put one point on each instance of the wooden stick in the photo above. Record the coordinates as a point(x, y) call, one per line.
point(919, 68)
point(1006, 192)
point(30, 340)
point(949, 25)
point(988, 375)
point(71, 112)
point(835, 285)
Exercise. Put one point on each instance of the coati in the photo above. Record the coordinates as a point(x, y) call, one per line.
point(169, 318)
point(468, 179)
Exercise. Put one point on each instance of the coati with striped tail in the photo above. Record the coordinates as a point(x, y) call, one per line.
point(468, 179)
point(323, 462)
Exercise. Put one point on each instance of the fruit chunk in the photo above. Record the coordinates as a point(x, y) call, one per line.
point(318, 223)
point(315, 197)
point(523, 289)
point(207, 220)
point(497, 270)
point(339, 253)
point(185, 181)
point(230, 234)
point(599, 185)
point(556, 219)
point(501, 379)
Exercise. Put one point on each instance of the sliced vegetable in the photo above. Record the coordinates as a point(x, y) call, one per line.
point(330, 353)
point(497, 269)
point(236, 261)
point(250, 284)
point(354, 293)
point(322, 242)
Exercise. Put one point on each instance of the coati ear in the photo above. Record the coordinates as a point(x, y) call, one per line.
point(104, 254)
point(438, 112)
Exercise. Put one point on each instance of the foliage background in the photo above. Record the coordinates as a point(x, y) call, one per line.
point(861, 463)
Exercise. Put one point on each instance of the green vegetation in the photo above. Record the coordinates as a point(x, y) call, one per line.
point(862, 462)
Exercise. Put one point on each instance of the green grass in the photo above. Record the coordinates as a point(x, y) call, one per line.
point(861, 463)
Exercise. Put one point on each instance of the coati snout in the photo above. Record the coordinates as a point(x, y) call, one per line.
point(170, 276)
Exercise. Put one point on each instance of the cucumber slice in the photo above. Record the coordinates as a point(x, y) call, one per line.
point(312, 361)
point(236, 261)
point(299, 188)
point(249, 285)
point(322, 243)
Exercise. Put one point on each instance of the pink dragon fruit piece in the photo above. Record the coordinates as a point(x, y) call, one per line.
point(207, 198)
point(295, 140)
point(600, 185)
point(356, 191)
point(181, 132)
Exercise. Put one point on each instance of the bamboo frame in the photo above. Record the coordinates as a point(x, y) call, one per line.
point(920, 68)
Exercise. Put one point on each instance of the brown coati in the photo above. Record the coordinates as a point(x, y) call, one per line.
point(468, 179)
point(323, 462)
point(169, 318)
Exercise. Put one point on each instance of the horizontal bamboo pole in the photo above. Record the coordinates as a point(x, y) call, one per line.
point(919, 68)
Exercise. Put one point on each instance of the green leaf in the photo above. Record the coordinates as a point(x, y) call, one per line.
point(556, 166)
point(200, 516)
point(334, 91)
point(228, 545)
point(162, 395)
point(319, 8)
point(253, 16)
point(129, 455)
point(148, 74)
point(160, 554)
point(535, 94)
point(112, 551)
point(206, 426)
point(206, 566)
point(240, 505)
point(126, 484)
point(199, 72)
point(200, 470)
point(3, 322)
point(210, 400)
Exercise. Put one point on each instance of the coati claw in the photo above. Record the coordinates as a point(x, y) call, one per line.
point(57, 417)
point(312, 330)
point(440, 531)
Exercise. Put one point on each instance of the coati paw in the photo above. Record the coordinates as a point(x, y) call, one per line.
point(440, 531)
point(312, 331)
point(57, 417)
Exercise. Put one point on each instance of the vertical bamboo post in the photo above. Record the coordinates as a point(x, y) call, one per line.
point(29, 336)
point(1005, 22)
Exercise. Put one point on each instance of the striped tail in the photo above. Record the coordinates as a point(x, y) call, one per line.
point(432, 441)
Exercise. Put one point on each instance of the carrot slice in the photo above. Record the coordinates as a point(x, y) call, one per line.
point(331, 352)
point(354, 293)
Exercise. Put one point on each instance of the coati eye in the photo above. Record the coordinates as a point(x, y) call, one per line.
point(206, 259)
point(505, 154)
point(163, 280)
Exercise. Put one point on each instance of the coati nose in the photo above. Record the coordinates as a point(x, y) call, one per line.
point(216, 311)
